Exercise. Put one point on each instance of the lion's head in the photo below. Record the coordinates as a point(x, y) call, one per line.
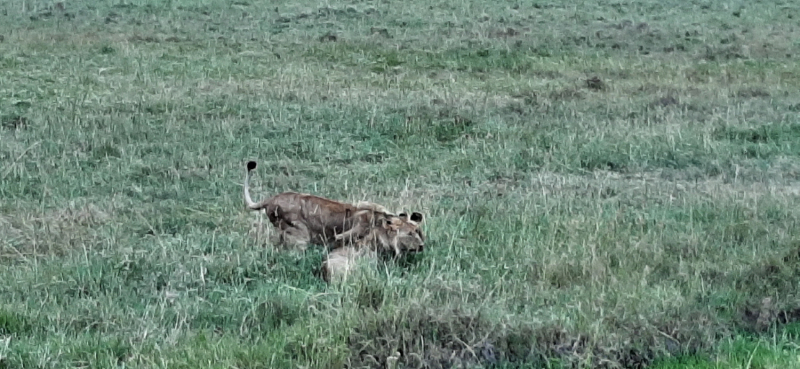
point(400, 234)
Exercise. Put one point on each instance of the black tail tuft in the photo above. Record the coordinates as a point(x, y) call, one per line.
point(251, 165)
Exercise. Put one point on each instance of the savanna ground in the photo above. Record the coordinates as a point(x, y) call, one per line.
point(606, 183)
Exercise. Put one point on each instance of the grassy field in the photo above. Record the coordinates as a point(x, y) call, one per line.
point(606, 184)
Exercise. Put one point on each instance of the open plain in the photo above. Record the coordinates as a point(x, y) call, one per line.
point(605, 183)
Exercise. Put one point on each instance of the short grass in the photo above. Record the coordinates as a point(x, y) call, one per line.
point(606, 184)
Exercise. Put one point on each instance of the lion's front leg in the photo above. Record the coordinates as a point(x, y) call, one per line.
point(350, 235)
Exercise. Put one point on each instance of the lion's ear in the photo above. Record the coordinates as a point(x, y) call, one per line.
point(403, 216)
point(417, 217)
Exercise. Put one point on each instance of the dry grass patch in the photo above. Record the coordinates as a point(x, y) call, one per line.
point(56, 232)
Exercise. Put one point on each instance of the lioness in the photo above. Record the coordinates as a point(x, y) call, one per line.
point(303, 218)
point(398, 234)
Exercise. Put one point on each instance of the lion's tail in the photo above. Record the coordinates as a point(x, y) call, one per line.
point(247, 199)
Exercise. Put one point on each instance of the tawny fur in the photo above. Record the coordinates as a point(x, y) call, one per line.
point(366, 205)
point(397, 235)
point(341, 261)
point(303, 218)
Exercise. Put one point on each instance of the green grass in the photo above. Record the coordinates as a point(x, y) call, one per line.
point(648, 217)
point(778, 350)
